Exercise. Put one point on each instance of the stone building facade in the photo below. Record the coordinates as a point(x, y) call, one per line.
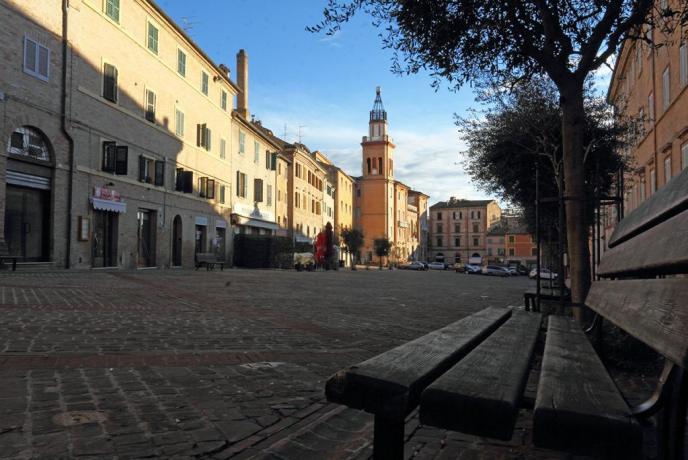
point(648, 86)
point(458, 229)
point(509, 240)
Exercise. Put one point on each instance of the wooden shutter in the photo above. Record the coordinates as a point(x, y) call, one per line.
point(179, 181)
point(160, 173)
point(258, 190)
point(188, 181)
point(207, 138)
point(122, 155)
point(210, 192)
point(142, 168)
point(110, 82)
point(273, 161)
point(202, 186)
point(109, 157)
point(199, 135)
point(222, 194)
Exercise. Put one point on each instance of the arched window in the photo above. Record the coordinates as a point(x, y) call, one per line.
point(368, 160)
point(30, 143)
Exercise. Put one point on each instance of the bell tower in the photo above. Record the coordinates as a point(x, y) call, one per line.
point(377, 145)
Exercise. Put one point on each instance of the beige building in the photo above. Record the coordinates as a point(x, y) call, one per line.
point(458, 229)
point(146, 141)
point(418, 223)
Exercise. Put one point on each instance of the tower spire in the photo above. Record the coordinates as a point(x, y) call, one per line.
point(378, 113)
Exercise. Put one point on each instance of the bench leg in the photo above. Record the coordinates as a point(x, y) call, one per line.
point(388, 441)
point(672, 419)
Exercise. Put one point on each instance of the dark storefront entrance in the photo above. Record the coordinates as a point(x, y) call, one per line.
point(27, 223)
point(104, 239)
point(146, 238)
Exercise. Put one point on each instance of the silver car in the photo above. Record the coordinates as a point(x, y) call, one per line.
point(495, 270)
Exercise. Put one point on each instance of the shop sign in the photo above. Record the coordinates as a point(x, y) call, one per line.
point(107, 194)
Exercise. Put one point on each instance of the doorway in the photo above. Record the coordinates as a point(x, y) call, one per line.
point(146, 238)
point(27, 223)
point(104, 239)
point(201, 238)
point(219, 243)
point(177, 241)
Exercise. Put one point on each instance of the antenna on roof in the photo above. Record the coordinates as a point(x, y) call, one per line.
point(301, 126)
point(285, 132)
point(188, 23)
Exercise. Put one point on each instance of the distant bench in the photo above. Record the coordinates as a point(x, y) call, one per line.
point(208, 260)
point(530, 296)
point(470, 375)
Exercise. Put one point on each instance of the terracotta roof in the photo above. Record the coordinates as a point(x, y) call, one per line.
point(461, 204)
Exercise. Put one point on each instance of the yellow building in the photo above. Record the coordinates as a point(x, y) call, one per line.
point(382, 202)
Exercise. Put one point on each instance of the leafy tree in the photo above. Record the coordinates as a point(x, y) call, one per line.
point(521, 128)
point(353, 239)
point(382, 247)
point(506, 41)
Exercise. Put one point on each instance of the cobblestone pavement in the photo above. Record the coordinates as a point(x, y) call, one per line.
point(183, 364)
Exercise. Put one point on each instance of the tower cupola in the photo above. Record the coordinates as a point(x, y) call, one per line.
point(377, 129)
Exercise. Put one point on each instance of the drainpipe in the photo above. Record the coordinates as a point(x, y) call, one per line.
point(63, 127)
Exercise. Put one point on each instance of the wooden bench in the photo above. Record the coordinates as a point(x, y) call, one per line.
point(209, 260)
point(5, 255)
point(530, 296)
point(470, 376)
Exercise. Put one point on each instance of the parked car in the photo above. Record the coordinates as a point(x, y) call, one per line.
point(472, 269)
point(545, 274)
point(513, 271)
point(414, 265)
point(495, 270)
point(459, 268)
point(437, 266)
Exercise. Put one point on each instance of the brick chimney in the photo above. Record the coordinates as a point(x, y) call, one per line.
point(242, 81)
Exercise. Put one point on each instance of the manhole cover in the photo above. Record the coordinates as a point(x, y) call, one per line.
point(79, 417)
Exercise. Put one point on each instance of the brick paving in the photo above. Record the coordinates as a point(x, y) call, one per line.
point(183, 364)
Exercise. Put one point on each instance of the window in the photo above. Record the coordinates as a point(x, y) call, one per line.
point(500, 251)
point(179, 122)
point(457, 242)
point(222, 194)
point(475, 228)
point(146, 166)
point(223, 149)
point(439, 216)
point(642, 189)
point(268, 160)
point(258, 190)
point(242, 142)
point(112, 9)
point(489, 251)
point(184, 181)
point(152, 38)
point(203, 136)
point(204, 82)
point(439, 228)
point(457, 228)
point(150, 106)
point(653, 181)
point(29, 143)
point(683, 60)
point(269, 195)
point(181, 63)
point(667, 169)
point(159, 173)
point(476, 241)
point(512, 238)
point(36, 59)
point(115, 158)
point(256, 152)
point(206, 188)
point(511, 251)
point(684, 156)
point(533, 252)
point(651, 108)
point(666, 91)
point(439, 241)
point(297, 199)
point(241, 184)
point(110, 82)
point(223, 100)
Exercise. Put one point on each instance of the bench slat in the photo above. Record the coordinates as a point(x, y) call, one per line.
point(390, 384)
point(481, 394)
point(578, 407)
point(662, 249)
point(666, 202)
point(654, 311)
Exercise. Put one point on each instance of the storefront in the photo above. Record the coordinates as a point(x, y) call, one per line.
point(28, 195)
point(107, 205)
point(253, 221)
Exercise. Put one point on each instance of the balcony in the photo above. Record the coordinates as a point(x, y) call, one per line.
point(412, 208)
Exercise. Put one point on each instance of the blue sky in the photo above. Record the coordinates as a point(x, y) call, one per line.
point(327, 86)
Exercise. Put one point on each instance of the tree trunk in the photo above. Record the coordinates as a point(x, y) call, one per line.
point(573, 118)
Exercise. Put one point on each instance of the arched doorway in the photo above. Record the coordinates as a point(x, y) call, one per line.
point(439, 257)
point(28, 194)
point(177, 241)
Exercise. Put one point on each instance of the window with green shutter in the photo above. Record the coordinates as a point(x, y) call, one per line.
point(181, 63)
point(152, 38)
point(112, 9)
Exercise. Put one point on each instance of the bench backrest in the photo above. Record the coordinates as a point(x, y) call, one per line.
point(651, 241)
point(206, 257)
